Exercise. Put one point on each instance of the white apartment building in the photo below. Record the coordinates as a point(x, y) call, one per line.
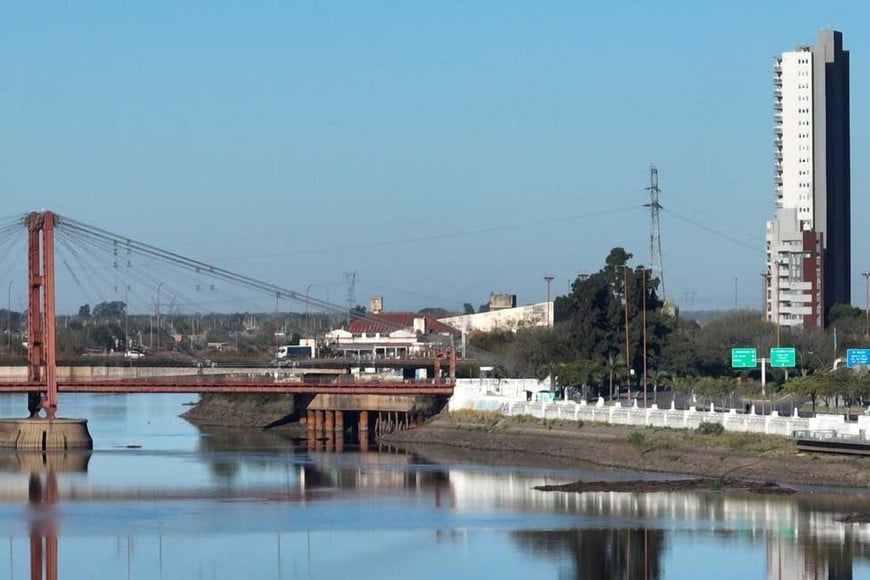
point(808, 241)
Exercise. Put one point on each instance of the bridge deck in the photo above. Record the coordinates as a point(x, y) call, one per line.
point(194, 385)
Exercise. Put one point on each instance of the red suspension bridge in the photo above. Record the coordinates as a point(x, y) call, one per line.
point(42, 384)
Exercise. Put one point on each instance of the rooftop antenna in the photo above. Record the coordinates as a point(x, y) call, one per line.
point(655, 238)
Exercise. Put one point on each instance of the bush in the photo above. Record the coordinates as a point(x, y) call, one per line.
point(636, 438)
point(711, 428)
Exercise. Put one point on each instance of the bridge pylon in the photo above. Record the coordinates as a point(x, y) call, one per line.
point(41, 331)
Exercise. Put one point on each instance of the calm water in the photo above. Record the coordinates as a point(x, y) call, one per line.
point(191, 504)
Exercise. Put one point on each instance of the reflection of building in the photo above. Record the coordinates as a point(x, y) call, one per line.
point(809, 239)
point(787, 560)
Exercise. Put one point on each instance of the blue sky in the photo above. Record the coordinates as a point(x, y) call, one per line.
point(443, 150)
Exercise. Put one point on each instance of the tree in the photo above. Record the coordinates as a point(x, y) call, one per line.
point(594, 313)
point(85, 310)
point(468, 308)
point(114, 309)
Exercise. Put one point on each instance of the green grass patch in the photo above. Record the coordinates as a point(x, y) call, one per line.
point(485, 418)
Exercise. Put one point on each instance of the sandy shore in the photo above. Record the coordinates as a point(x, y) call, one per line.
point(610, 447)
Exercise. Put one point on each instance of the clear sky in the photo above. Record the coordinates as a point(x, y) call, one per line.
point(443, 150)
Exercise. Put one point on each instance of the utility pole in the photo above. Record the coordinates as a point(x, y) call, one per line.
point(159, 286)
point(627, 357)
point(643, 289)
point(9, 316)
point(549, 278)
point(126, 317)
point(735, 292)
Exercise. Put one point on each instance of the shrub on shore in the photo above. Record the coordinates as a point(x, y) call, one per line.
point(706, 428)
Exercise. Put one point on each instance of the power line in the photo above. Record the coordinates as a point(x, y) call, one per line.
point(710, 230)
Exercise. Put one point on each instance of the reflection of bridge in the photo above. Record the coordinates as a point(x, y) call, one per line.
point(43, 385)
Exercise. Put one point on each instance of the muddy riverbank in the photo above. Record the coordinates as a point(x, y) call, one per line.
point(500, 441)
point(491, 439)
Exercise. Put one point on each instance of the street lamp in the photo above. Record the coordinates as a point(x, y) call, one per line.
point(549, 278)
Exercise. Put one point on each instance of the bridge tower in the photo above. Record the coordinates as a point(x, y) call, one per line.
point(41, 351)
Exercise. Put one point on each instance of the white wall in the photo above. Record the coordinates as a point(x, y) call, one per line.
point(476, 396)
point(505, 319)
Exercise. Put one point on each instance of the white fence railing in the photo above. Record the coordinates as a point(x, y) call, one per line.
point(616, 414)
point(475, 395)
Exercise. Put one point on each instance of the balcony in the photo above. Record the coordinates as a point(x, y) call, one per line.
point(777, 105)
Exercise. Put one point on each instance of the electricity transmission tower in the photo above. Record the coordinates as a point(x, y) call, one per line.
point(351, 292)
point(655, 237)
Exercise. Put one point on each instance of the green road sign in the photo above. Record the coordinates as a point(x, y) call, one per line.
point(782, 357)
point(744, 358)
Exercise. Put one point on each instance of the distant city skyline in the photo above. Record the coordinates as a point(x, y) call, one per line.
point(441, 151)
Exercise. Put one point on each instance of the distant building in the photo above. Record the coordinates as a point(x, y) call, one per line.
point(390, 335)
point(808, 241)
point(510, 319)
point(502, 301)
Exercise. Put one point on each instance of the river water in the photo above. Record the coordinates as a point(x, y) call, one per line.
point(159, 499)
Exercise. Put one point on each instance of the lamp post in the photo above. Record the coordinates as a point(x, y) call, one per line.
point(548, 278)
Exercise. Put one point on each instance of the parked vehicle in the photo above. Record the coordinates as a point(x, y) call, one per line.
point(294, 351)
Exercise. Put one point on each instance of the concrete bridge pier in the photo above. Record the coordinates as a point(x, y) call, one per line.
point(45, 434)
point(364, 430)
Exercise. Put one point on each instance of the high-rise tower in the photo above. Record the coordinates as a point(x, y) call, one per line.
point(809, 239)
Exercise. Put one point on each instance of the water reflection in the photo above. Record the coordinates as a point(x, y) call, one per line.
point(235, 504)
point(42, 495)
point(607, 553)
